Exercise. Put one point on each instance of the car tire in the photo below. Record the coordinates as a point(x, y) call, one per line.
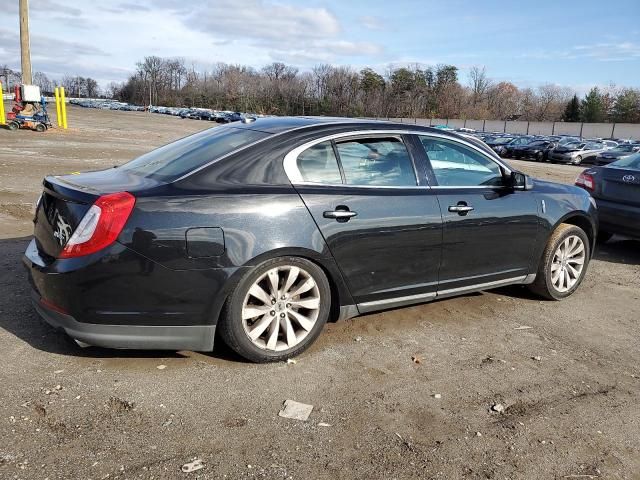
point(604, 237)
point(252, 336)
point(40, 127)
point(554, 264)
point(13, 126)
point(577, 160)
point(539, 157)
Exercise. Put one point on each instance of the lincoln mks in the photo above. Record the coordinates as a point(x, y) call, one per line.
point(260, 231)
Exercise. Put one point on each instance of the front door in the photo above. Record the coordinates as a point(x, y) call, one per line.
point(489, 229)
point(383, 229)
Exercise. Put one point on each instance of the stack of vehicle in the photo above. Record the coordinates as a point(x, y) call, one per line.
point(194, 113)
point(559, 148)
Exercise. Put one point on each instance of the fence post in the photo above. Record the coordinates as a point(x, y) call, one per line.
point(504, 128)
point(446, 122)
point(528, 127)
point(613, 129)
point(553, 128)
point(581, 125)
point(464, 125)
point(484, 122)
point(3, 120)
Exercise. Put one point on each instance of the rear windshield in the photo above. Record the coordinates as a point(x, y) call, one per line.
point(176, 159)
point(632, 162)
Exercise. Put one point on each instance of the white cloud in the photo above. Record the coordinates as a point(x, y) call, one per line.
point(605, 52)
point(371, 22)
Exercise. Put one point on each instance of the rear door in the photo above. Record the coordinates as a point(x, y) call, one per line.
point(382, 226)
point(489, 229)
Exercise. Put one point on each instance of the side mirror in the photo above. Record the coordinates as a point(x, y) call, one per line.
point(520, 181)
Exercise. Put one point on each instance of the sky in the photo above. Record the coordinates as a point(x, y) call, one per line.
point(578, 44)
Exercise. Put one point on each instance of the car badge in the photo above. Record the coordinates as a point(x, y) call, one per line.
point(628, 179)
point(63, 230)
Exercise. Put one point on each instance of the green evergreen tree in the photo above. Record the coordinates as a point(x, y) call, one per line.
point(592, 109)
point(626, 107)
point(572, 110)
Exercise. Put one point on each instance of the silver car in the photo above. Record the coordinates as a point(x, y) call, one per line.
point(577, 152)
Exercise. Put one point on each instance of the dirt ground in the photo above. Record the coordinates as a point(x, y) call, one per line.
point(567, 373)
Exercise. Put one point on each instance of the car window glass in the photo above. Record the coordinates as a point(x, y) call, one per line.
point(175, 159)
point(456, 165)
point(318, 164)
point(376, 161)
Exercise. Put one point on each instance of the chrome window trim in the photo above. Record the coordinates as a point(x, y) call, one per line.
point(270, 135)
point(295, 177)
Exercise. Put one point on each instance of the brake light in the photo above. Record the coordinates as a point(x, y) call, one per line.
point(101, 225)
point(586, 181)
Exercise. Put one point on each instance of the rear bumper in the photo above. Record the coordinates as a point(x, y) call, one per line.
point(619, 218)
point(144, 337)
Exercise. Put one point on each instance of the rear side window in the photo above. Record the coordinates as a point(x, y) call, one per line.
point(318, 164)
point(176, 159)
point(377, 162)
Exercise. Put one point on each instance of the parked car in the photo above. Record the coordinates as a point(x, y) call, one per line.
point(263, 229)
point(618, 153)
point(616, 189)
point(576, 152)
point(506, 149)
point(536, 149)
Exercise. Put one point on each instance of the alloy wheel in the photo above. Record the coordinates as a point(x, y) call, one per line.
point(281, 308)
point(568, 263)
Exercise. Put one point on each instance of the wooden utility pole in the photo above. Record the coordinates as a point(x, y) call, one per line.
point(24, 42)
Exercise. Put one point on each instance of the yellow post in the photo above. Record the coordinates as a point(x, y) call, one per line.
point(3, 120)
point(56, 93)
point(63, 106)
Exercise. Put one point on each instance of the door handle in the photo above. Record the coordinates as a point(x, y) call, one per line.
point(340, 215)
point(461, 208)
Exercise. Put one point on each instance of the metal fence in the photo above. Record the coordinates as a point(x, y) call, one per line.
point(587, 130)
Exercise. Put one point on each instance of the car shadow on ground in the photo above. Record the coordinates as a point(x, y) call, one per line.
point(619, 250)
point(19, 318)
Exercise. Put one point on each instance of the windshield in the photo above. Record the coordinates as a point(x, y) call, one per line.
point(538, 143)
point(632, 162)
point(502, 140)
point(176, 159)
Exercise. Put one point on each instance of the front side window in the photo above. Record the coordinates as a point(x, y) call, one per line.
point(376, 161)
point(318, 164)
point(456, 165)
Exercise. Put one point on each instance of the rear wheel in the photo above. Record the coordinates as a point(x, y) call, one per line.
point(277, 310)
point(563, 264)
point(13, 125)
point(539, 157)
point(40, 127)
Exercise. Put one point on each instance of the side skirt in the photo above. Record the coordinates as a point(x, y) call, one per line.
point(367, 307)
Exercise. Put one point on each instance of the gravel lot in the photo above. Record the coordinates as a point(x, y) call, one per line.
point(569, 382)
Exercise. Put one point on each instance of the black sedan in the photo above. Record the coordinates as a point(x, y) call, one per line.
point(264, 229)
point(537, 150)
point(616, 189)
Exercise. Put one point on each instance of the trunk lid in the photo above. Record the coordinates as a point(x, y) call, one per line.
point(621, 185)
point(66, 199)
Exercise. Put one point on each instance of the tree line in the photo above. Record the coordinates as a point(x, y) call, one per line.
point(74, 85)
point(413, 91)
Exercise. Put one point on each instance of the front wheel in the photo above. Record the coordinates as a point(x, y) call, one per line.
point(563, 264)
point(277, 310)
point(577, 160)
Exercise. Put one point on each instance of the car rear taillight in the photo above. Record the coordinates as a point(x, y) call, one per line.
point(586, 181)
point(101, 225)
